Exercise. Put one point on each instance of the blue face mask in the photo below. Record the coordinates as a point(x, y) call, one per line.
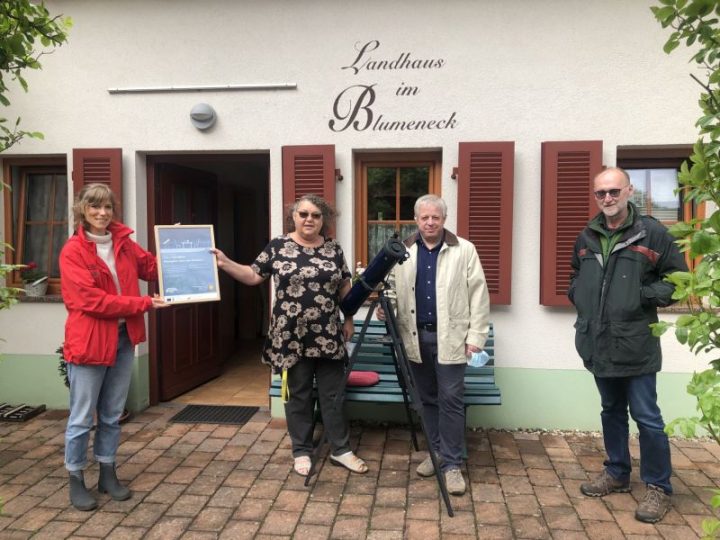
point(478, 359)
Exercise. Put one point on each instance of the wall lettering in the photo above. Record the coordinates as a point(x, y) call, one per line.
point(355, 107)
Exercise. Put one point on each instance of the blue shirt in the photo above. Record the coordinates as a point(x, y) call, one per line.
point(425, 294)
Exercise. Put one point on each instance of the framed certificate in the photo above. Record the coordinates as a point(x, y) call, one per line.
point(187, 269)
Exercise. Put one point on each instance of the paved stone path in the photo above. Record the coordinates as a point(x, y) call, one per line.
point(205, 481)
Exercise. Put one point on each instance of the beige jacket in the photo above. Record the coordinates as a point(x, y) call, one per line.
point(463, 304)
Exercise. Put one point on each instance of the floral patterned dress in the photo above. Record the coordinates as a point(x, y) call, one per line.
point(306, 319)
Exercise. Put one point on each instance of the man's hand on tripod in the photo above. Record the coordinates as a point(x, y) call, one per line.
point(380, 313)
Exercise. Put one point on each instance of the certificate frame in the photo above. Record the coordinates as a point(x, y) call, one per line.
point(187, 268)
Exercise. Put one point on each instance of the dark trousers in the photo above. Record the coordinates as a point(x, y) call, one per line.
point(639, 395)
point(442, 391)
point(299, 408)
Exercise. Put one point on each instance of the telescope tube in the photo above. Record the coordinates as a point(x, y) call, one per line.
point(392, 252)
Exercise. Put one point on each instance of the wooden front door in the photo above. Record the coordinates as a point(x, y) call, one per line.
point(187, 333)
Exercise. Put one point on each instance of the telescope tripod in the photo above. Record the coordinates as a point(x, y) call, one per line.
point(406, 380)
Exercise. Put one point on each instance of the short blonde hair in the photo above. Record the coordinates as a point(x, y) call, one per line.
point(92, 194)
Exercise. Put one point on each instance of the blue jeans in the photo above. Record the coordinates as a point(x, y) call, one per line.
point(442, 392)
point(102, 389)
point(617, 394)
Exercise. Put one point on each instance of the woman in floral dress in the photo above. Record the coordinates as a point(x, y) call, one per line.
point(307, 335)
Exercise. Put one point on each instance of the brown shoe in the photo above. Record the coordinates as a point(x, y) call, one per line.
point(603, 485)
point(654, 505)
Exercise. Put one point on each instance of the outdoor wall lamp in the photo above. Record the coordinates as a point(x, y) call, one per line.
point(202, 116)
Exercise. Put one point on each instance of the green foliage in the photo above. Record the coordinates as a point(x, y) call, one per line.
point(696, 25)
point(27, 32)
point(8, 295)
point(22, 25)
point(62, 365)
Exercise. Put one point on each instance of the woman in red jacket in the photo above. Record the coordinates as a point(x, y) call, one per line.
point(99, 267)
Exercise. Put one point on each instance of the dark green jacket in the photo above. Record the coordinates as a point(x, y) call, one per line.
point(617, 301)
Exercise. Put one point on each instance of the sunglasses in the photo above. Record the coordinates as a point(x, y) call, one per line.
point(600, 194)
point(304, 214)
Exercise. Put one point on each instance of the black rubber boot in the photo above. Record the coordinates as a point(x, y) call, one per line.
point(80, 497)
point(109, 483)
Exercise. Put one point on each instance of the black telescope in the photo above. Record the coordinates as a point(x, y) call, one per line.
point(392, 252)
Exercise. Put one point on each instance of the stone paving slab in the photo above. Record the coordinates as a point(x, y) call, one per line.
point(208, 481)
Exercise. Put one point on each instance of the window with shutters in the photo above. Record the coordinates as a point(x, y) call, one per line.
point(36, 213)
point(485, 176)
point(386, 190)
point(653, 172)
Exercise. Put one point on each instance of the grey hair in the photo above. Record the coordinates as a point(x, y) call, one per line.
point(433, 200)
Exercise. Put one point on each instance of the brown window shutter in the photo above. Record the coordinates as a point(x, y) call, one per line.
point(308, 169)
point(567, 204)
point(485, 209)
point(99, 165)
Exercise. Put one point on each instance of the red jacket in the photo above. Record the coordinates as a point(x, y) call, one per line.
point(92, 300)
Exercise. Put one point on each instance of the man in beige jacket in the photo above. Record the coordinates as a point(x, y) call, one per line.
point(443, 310)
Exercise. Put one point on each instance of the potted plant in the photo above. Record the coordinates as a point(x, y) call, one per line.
point(34, 279)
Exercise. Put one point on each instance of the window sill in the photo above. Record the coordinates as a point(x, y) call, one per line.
point(46, 299)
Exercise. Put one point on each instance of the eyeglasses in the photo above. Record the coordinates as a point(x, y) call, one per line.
point(600, 194)
point(304, 214)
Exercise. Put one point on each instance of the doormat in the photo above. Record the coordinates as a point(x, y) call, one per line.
point(214, 414)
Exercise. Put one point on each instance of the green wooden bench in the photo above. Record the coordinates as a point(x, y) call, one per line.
point(375, 354)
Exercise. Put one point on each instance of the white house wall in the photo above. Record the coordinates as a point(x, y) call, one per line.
point(522, 71)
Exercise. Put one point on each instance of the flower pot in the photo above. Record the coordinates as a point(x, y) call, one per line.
point(36, 289)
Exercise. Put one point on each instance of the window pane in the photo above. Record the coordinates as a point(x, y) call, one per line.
point(406, 229)
point(378, 234)
point(414, 182)
point(40, 195)
point(654, 193)
point(39, 188)
point(665, 204)
point(381, 193)
point(58, 240)
point(638, 178)
point(61, 206)
point(36, 246)
point(15, 193)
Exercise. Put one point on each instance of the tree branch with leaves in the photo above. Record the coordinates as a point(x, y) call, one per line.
point(27, 32)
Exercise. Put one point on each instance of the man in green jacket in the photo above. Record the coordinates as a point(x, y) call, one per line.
point(619, 264)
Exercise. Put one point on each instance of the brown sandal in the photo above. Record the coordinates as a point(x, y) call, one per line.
point(350, 461)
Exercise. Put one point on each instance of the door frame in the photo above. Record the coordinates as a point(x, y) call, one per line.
point(151, 160)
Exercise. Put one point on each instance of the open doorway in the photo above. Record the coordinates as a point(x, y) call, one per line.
point(209, 353)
